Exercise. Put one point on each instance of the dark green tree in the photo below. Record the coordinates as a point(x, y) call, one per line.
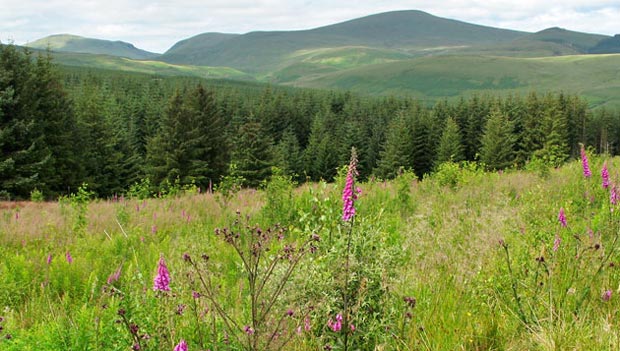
point(450, 147)
point(252, 152)
point(397, 149)
point(497, 142)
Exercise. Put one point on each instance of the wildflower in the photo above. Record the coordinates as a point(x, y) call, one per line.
point(181, 346)
point(562, 217)
point(613, 195)
point(307, 325)
point(153, 229)
point(556, 243)
point(584, 162)
point(162, 279)
point(196, 294)
point(49, 259)
point(348, 194)
point(115, 276)
point(68, 257)
point(606, 295)
point(335, 326)
point(289, 313)
point(605, 176)
point(352, 327)
point(248, 330)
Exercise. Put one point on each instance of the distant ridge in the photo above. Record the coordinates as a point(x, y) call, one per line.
point(404, 30)
point(607, 46)
point(77, 44)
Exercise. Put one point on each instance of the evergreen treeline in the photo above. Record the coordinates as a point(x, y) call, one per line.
point(113, 129)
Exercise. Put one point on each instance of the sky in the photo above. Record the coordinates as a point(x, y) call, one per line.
point(156, 25)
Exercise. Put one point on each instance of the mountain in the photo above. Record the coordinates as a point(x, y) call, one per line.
point(192, 48)
point(77, 44)
point(405, 31)
point(594, 77)
point(607, 46)
point(407, 53)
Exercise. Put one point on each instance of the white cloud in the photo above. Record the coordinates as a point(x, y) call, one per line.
point(156, 25)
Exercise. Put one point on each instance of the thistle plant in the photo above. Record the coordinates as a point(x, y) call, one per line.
point(268, 262)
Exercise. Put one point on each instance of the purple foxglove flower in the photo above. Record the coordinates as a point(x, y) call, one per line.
point(68, 257)
point(114, 277)
point(556, 243)
point(605, 176)
point(562, 217)
point(162, 279)
point(348, 195)
point(584, 162)
point(181, 346)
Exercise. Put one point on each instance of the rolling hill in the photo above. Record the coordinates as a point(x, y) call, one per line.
point(401, 53)
point(405, 31)
point(595, 77)
point(77, 44)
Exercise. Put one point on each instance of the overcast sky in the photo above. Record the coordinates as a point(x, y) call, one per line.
point(156, 25)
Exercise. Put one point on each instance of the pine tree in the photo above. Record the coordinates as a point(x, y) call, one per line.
point(252, 152)
point(497, 141)
point(397, 149)
point(450, 147)
point(20, 159)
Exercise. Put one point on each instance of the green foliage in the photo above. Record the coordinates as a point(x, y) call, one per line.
point(279, 206)
point(497, 142)
point(140, 190)
point(79, 202)
point(450, 147)
point(228, 186)
point(36, 195)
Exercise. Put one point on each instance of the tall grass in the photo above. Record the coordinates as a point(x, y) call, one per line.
point(428, 267)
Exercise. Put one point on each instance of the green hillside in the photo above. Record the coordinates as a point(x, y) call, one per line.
point(146, 66)
point(192, 48)
point(406, 31)
point(74, 43)
point(596, 77)
point(610, 45)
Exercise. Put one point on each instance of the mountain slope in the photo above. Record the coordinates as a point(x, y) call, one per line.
point(77, 44)
point(407, 31)
point(610, 45)
point(595, 77)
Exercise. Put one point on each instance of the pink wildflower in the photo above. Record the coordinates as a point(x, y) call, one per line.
point(584, 162)
point(335, 326)
point(307, 325)
point(162, 279)
point(562, 217)
point(613, 195)
point(348, 195)
point(114, 277)
point(181, 346)
point(352, 327)
point(49, 259)
point(556, 243)
point(605, 176)
point(606, 295)
point(68, 257)
point(248, 330)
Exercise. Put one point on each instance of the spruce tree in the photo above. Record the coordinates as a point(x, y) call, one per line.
point(450, 147)
point(252, 152)
point(497, 142)
point(397, 149)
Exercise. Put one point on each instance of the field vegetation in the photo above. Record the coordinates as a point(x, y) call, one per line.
point(462, 259)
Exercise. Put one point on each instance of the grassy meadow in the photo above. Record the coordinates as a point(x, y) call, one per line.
point(462, 260)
